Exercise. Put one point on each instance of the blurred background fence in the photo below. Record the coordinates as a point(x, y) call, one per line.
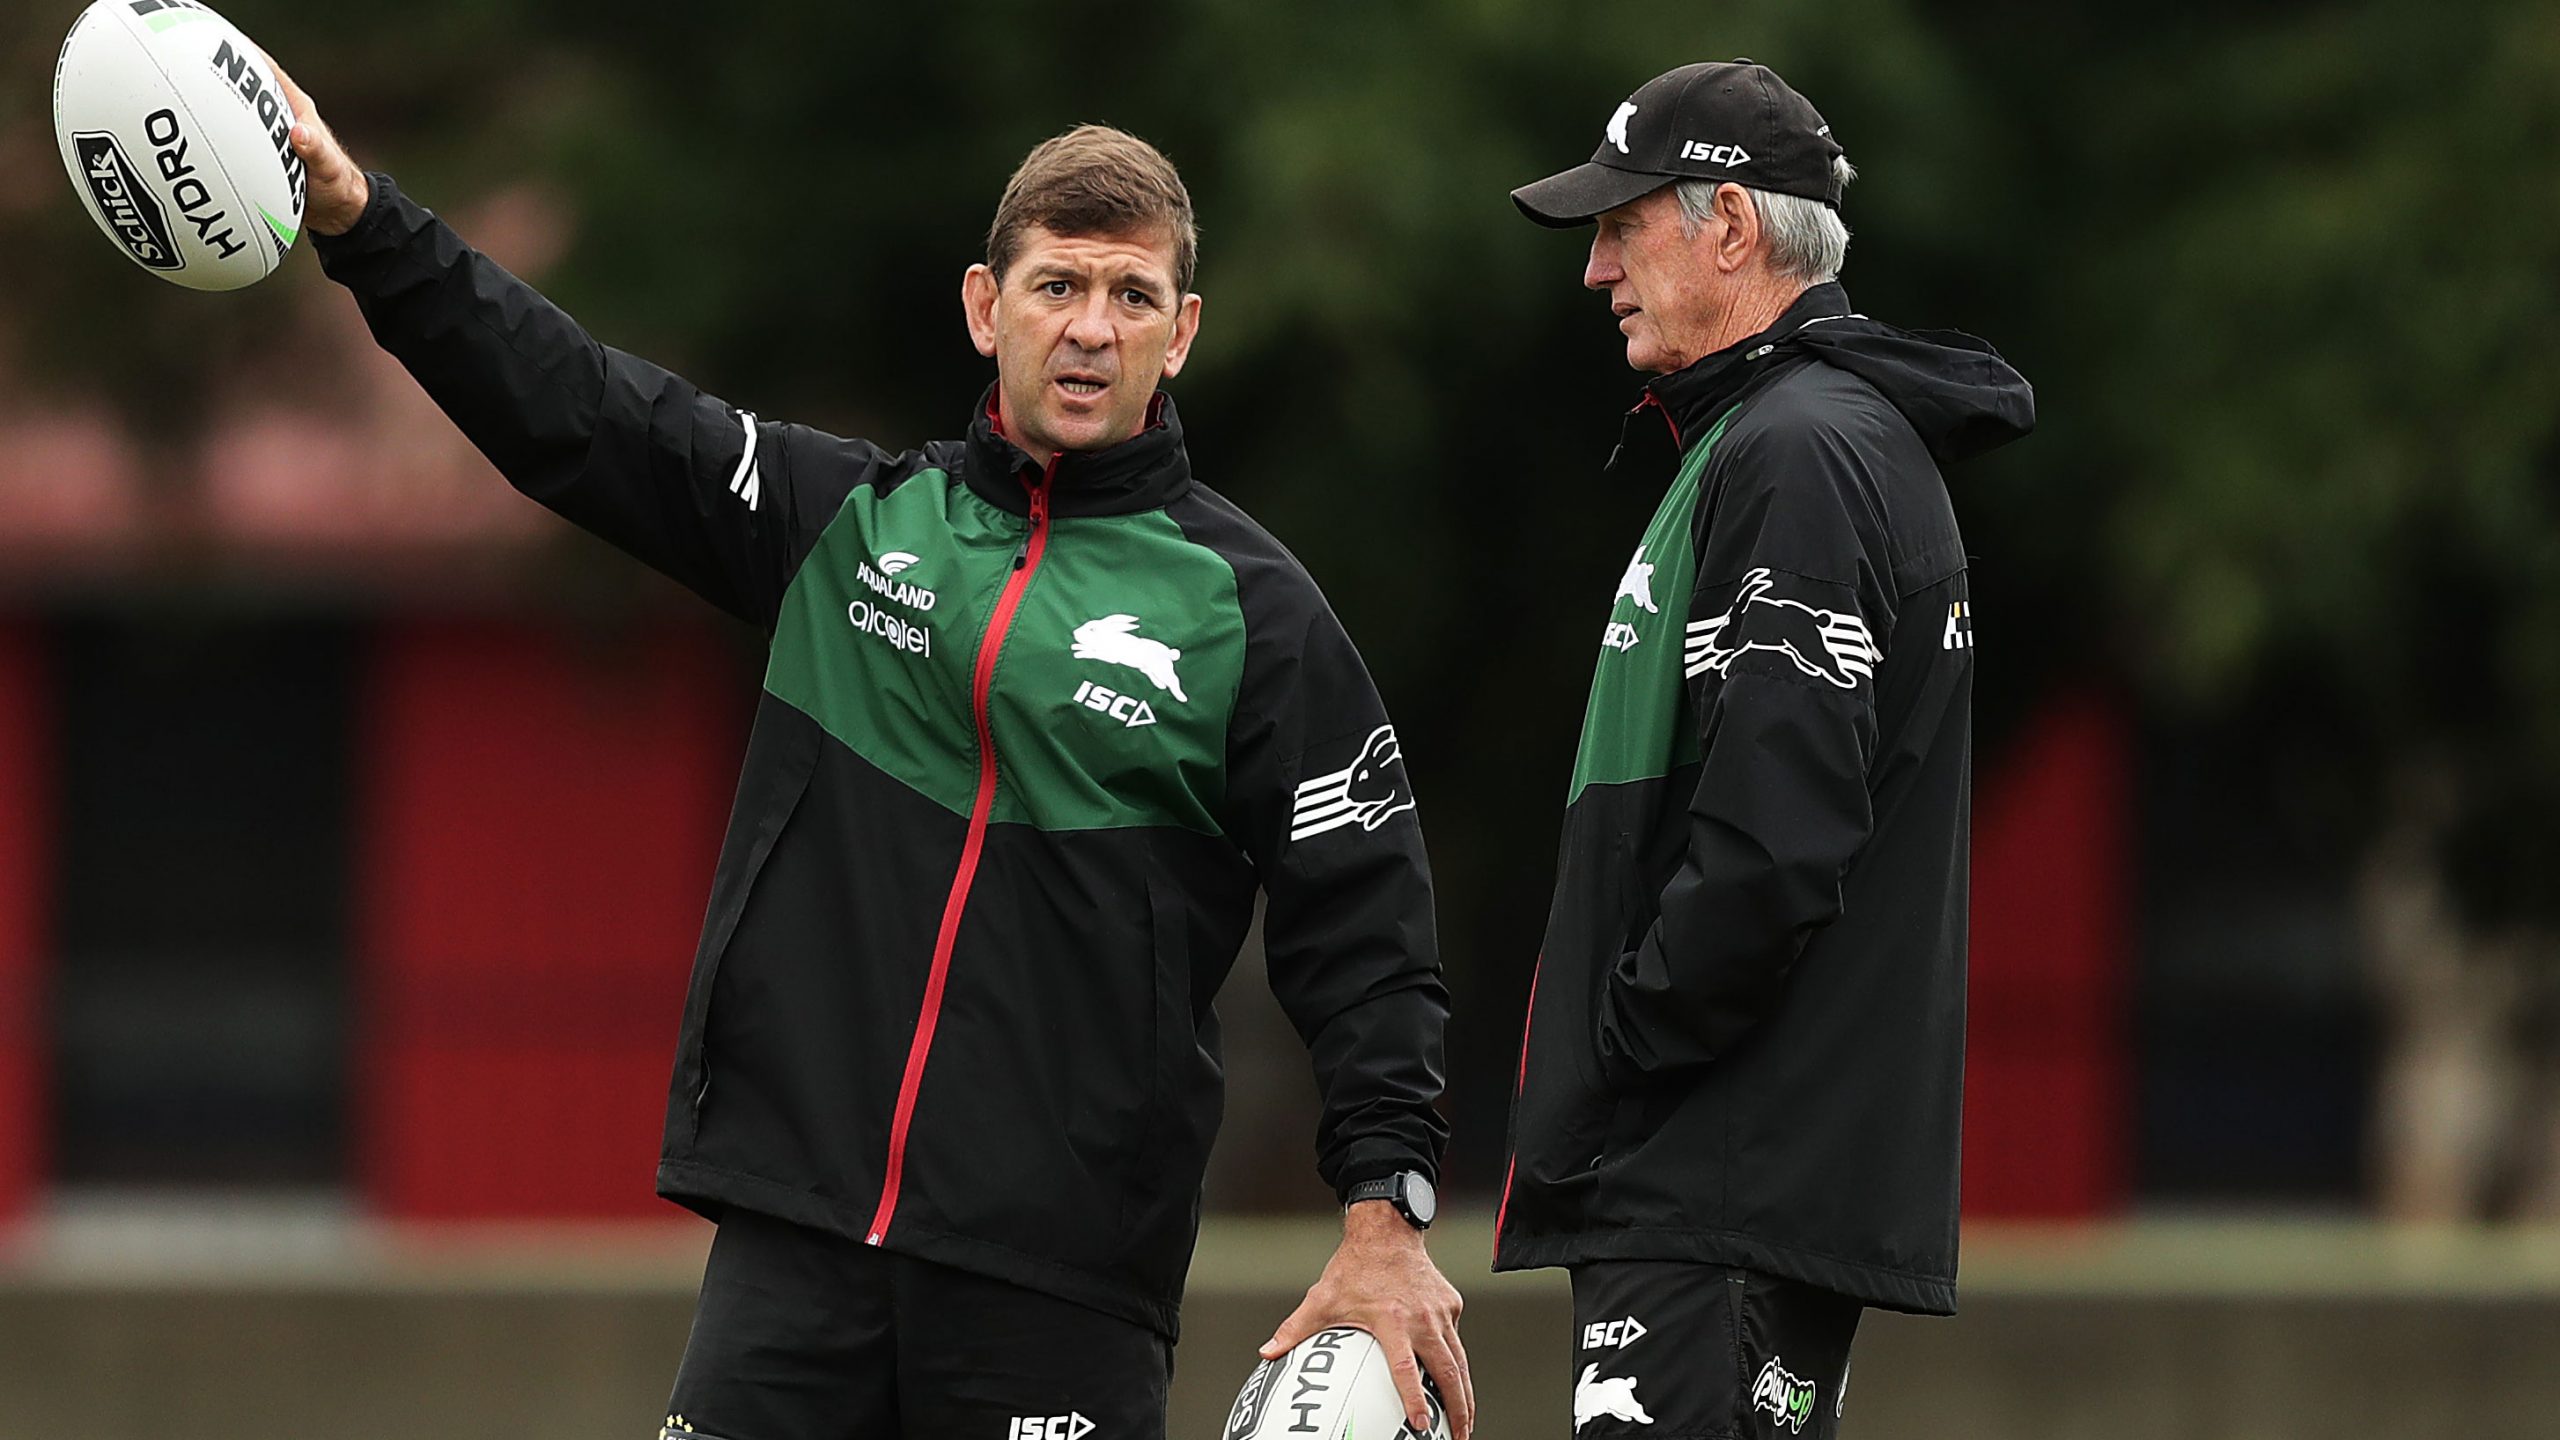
point(355, 819)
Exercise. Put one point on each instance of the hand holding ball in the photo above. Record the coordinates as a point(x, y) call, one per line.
point(180, 139)
point(338, 189)
point(1335, 1385)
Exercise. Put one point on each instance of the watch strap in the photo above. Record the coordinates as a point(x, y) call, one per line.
point(1385, 1187)
point(1396, 1189)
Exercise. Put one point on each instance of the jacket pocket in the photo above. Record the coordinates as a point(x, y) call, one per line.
point(782, 770)
point(1622, 934)
point(1564, 1106)
point(1563, 1114)
point(1630, 1098)
point(1170, 1038)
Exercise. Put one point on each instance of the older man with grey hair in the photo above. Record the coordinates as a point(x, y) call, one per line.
point(1742, 1072)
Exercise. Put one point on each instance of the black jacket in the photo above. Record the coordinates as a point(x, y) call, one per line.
point(1030, 741)
point(1746, 1039)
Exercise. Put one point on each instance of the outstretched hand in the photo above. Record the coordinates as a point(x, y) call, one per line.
point(337, 192)
point(1381, 1279)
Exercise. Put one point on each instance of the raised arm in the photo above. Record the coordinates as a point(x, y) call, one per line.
point(696, 488)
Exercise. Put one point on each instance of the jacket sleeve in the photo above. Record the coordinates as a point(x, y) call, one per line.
point(1781, 655)
point(1318, 798)
point(696, 488)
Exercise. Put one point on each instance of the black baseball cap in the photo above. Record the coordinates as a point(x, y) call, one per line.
point(1721, 120)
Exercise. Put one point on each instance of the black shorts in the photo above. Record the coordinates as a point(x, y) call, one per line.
point(806, 1335)
point(1670, 1350)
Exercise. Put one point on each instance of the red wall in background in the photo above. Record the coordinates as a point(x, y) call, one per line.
point(26, 840)
point(540, 813)
point(2047, 1115)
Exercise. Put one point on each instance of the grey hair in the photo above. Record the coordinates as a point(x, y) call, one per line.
point(1808, 241)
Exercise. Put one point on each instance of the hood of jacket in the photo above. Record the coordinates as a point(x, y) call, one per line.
point(1958, 394)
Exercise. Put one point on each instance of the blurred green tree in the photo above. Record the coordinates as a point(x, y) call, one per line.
point(2319, 277)
point(1397, 374)
point(2284, 275)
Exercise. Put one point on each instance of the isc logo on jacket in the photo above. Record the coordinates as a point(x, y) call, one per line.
point(1114, 639)
point(1634, 727)
point(1637, 586)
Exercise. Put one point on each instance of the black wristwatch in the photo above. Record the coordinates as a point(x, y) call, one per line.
point(1410, 1191)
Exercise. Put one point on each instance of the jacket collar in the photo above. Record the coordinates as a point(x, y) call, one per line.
point(1693, 397)
point(1147, 471)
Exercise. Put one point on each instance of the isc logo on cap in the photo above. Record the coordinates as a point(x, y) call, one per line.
point(1715, 154)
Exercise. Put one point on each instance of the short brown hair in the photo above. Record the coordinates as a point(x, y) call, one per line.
point(1094, 180)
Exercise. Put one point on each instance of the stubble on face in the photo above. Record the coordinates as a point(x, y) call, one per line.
point(1083, 328)
point(1661, 287)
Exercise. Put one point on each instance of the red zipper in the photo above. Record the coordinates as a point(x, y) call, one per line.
point(1502, 1213)
point(1656, 402)
point(1026, 563)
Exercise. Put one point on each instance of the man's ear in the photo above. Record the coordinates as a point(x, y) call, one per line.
point(1741, 229)
point(978, 290)
point(1186, 328)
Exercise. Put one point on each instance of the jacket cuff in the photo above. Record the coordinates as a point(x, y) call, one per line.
point(381, 198)
point(1378, 1165)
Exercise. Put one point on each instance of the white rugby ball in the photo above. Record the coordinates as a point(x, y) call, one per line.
point(1334, 1386)
point(176, 132)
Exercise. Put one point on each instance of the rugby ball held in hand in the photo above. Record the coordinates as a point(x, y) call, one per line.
point(178, 138)
point(1334, 1386)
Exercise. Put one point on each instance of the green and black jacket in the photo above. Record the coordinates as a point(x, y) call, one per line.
point(1029, 744)
point(1746, 1039)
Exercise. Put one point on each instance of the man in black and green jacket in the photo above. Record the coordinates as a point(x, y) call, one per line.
point(1042, 715)
point(1739, 1086)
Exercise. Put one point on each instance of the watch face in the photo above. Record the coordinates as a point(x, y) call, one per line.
point(1420, 1200)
